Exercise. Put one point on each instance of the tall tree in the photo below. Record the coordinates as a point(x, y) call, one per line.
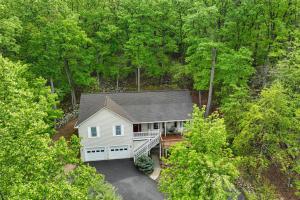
point(32, 166)
point(212, 77)
point(10, 31)
point(233, 67)
point(269, 132)
point(202, 166)
point(59, 47)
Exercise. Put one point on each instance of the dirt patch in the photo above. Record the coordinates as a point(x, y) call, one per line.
point(68, 168)
point(279, 180)
point(66, 131)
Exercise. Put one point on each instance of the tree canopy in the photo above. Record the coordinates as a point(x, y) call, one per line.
point(201, 167)
point(76, 46)
point(32, 166)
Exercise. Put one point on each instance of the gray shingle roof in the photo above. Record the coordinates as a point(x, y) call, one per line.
point(148, 106)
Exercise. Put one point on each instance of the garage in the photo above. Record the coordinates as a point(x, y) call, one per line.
point(93, 154)
point(119, 152)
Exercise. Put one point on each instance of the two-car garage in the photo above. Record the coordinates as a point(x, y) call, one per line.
point(107, 153)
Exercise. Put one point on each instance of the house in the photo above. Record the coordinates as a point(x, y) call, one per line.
point(130, 124)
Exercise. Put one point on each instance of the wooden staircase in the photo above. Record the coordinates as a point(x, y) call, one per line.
point(145, 148)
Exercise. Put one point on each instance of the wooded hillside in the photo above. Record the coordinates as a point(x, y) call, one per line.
point(247, 53)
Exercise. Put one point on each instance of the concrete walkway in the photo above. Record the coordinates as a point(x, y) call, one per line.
point(156, 172)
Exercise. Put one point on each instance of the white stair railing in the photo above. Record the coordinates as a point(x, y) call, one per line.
point(146, 147)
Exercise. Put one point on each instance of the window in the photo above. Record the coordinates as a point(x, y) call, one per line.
point(175, 124)
point(155, 126)
point(93, 132)
point(118, 130)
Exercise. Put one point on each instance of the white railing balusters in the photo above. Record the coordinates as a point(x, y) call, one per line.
point(146, 147)
point(145, 134)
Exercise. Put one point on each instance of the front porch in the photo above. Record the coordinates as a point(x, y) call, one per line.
point(148, 130)
point(166, 134)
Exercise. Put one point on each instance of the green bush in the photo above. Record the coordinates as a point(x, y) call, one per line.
point(145, 164)
point(262, 192)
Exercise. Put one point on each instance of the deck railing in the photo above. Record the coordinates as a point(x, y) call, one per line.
point(146, 134)
point(145, 148)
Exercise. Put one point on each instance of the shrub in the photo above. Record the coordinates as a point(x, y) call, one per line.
point(263, 192)
point(145, 164)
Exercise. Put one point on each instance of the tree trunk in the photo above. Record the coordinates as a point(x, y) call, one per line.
point(99, 81)
point(200, 99)
point(265, 72)
point(136, 77)
point(139, 79)
point(52, 89)
point(117, 86)
point(69, 77)
point(212, 76)
point(52, 85)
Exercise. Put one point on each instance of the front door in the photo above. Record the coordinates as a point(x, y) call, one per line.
point(137, 127)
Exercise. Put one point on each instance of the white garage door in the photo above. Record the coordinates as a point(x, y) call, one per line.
point(119, 152)
point(93, 154)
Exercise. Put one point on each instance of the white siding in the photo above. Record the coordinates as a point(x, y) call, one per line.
point(106, 120)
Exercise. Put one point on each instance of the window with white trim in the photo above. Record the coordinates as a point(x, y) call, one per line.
point(118, 130)
point(93, 132)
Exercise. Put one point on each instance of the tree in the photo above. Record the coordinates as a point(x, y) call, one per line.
point(204, 25)
point(62, 43)
point(32, 166)
point(269, 132)
point(10, 30)
point(101, 23)
point(233, 107)
point(202, 166)
point(287, 70)
point(212, 77)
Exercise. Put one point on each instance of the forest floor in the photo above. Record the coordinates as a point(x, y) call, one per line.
point(66, 131)
point(280, 182)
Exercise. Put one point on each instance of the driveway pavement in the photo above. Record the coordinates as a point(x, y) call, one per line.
point(130, 183)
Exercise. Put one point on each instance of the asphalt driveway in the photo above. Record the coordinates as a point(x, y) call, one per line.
point(130, 183)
